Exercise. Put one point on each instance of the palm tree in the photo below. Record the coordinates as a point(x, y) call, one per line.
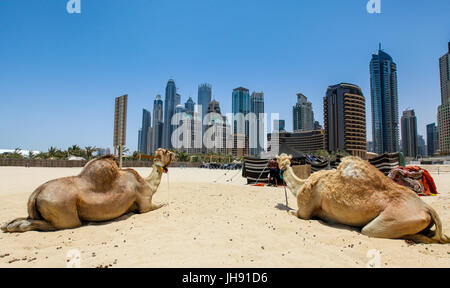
point(75, 150)
point(125, 150)
point(182, 156)
point(136, 155)
point(51, 153)
point(61, 154)
point(90, 151)
point(17, 153)
point(322, 154)
point(31, 155)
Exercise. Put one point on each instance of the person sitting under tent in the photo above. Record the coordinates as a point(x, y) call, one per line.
point(273, 172)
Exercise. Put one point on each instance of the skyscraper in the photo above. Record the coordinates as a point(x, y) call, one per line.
point(317, 125)
point(189, 105)
point(189, 139)
point(306, 141)
point(409, 133)
point(345, 119)
point(218, 133)
point(444, 109)
point(303, 116)
point(257, 129)
point(421, 147)
point(178, 119)
point(213, 107)
point(204, 97)
point(432, 139)
point(177, 99)
point(384, 96)
point(158, 124)
point(169, 109)
point(144, 143)
point(241, 107)
point(444, 68)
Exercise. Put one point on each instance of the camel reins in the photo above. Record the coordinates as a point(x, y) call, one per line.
point(162, 168)
point(284, 185)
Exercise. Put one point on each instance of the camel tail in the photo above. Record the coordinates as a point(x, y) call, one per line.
point(439, 236)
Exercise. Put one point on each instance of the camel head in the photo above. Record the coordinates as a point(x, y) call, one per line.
point(284, 161)
point(163, 158)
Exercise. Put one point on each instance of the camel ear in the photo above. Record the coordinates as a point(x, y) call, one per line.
point(290, 157)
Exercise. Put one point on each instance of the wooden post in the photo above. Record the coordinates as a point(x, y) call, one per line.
point(120, 156)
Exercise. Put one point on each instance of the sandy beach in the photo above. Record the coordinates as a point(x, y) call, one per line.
point(211, 222)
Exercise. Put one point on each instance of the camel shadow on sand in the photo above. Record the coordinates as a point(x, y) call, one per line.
point(102, 223)
point(283, 207)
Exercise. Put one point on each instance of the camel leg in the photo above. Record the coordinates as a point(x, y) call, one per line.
point(154, 207)
point(151, 207)
point(144, 205)
point(398, 222)
point(304, 213)
point(60, 215)
point(24, 225)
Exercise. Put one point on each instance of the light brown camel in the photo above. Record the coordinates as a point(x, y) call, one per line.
point(100, 192)
point(359, 195)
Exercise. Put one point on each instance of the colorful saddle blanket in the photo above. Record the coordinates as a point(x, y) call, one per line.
point(417, 179)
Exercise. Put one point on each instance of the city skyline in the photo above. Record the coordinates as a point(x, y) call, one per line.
point(77, 83)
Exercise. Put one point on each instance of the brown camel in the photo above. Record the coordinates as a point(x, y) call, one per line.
point(357, 194)
point(100, 192)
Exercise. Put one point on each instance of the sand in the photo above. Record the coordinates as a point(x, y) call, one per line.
point(210, 224)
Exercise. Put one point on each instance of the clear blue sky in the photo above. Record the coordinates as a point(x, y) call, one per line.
point(60, 73)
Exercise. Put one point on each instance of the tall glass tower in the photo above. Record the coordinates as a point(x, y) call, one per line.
point(257, 107)
point(189, 105)
point(384, 96)
point(169, 109)
point(158, 123)
point(144, 140)
point(204, 97)
point(444, 108)
point(409, 134)
point(241, 106)
point(432, 139)
point(303, 115)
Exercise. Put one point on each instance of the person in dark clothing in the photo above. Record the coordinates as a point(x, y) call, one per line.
point(273, 172)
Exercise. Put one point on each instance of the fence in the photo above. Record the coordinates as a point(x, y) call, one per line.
point(81, 163)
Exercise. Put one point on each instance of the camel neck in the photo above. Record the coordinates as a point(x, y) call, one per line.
point(290, 178)
point(154, 179)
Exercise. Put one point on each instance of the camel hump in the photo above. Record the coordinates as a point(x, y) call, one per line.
point(108, 157)
point(101, 171)
point(356, 169)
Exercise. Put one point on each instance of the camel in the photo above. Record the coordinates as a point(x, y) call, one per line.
point(101, 192)
point(358, 194)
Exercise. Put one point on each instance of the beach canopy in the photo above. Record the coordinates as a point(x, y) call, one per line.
point(386, 162)
point(256, 170)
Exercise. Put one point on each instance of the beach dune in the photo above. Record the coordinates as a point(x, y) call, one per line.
point(213, 220)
